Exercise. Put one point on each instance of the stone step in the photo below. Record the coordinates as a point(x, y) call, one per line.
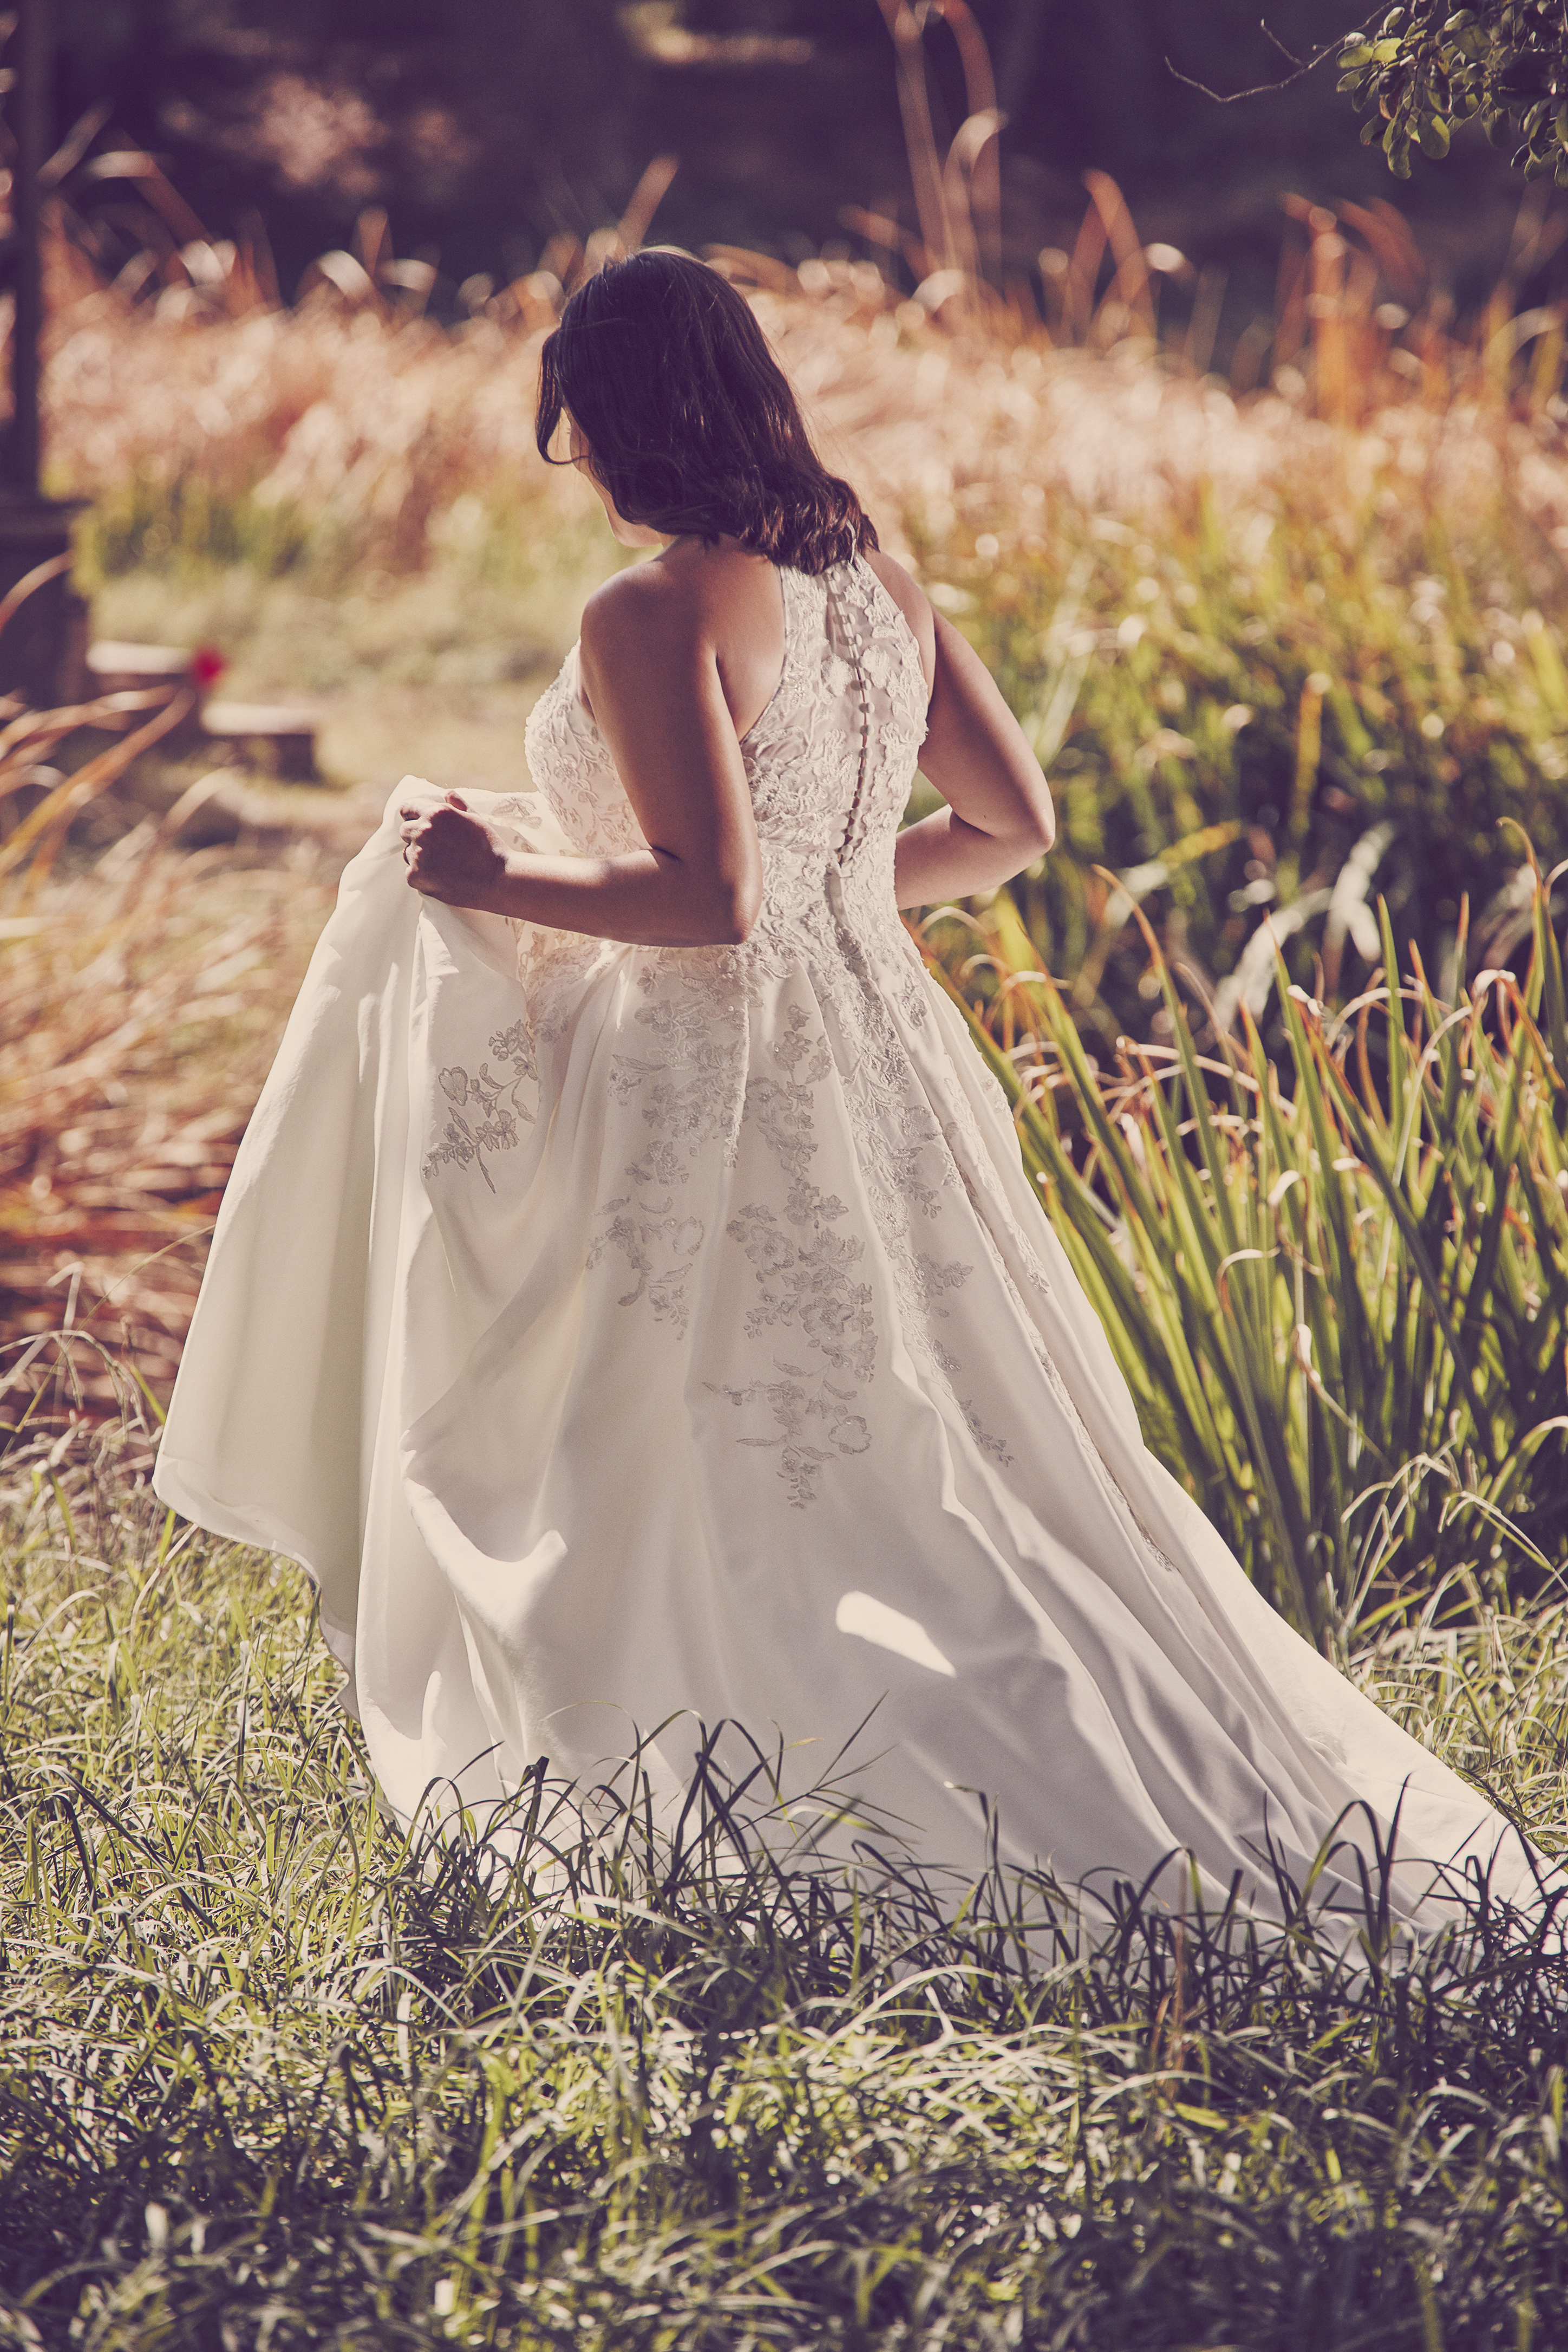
point(278, 736)
point(117, 666)
point(285, 732)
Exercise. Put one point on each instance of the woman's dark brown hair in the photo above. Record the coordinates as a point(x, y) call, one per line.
point(691, 426)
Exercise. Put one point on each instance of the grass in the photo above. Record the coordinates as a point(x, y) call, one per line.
point(1280, 715)
point(1336, 1283)
point(140, 1006)
point(273, 2077)
point(433, 671)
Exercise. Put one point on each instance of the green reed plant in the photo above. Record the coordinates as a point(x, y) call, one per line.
point(270, 2076)
point(1319, 1270)
point(1290, 709)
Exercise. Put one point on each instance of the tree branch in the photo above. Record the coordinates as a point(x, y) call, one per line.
point(1289, 55)
point(1301, 65)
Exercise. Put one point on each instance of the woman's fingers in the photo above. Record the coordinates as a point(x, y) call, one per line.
point(423, 800)
point(448, 850)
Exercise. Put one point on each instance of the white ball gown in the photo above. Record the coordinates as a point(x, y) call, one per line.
point(631, 1338)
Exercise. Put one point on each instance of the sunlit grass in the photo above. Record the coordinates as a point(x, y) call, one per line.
point(433, 672)
point(269, 2080)
point(140, 1003)
point(1280, 715)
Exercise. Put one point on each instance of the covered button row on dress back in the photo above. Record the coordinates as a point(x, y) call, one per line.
point(851, 645)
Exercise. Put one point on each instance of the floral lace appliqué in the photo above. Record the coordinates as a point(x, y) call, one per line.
point(485, 1112)
point(814, 1425)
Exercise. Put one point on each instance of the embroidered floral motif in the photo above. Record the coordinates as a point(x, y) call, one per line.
point(520, 811)
point(486, 1110)
point(814, 1423)
point(810, 1285)
point(691, 1084)
point(994, 1447)
point(661, 1245)
point(987, 1443)
point(935, 1279)
point(691, 1090)
point(808, 1279)
point(577, 775)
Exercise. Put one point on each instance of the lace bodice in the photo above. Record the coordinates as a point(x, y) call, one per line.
point(829, 762)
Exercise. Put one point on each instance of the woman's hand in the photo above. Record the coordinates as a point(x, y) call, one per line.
point(450, 853)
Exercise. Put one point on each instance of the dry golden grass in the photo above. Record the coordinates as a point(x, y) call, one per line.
point(347, 430)
point(140, 1006)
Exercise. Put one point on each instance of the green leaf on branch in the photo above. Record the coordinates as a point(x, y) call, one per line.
point(1505, 61)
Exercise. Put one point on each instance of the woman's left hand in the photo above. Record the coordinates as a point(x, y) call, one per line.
point(450, 853)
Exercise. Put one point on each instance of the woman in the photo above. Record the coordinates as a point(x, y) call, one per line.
point(628, 1303)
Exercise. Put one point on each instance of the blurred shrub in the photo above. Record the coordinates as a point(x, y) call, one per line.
point(1290, 713)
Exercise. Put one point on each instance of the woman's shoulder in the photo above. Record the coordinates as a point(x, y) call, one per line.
point(689, 591)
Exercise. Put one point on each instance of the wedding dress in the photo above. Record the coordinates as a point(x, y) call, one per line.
point(632, 1339)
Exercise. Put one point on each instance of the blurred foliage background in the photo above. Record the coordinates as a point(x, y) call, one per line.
point(487, 127)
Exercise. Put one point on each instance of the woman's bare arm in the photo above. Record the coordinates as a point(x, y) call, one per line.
point(999, 817)
point(651, 671)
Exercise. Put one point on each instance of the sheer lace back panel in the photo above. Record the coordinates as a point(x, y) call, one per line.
point(829, 762)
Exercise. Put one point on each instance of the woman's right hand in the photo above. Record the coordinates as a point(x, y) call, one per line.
point(451, 855)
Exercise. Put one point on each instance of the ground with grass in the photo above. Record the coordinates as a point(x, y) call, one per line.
point(274, 2078)
point(141, 1002)
point(433, 672)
